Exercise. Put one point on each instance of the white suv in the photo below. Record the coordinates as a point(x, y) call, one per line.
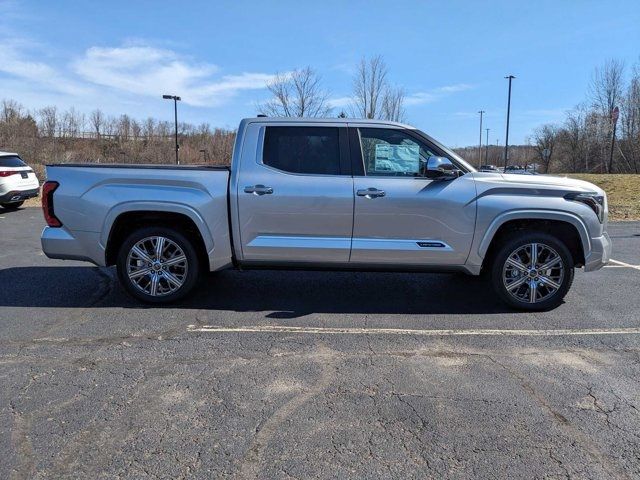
point(17, 181)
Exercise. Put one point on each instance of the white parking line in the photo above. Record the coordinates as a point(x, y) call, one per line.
point(622, 264)
point(404, 331)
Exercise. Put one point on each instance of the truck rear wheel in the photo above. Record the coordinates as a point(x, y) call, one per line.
point(157, 265)
point(532, 271)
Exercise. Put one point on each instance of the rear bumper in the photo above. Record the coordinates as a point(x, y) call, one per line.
point(18, 195)
point(61, 243)
point(600, 253)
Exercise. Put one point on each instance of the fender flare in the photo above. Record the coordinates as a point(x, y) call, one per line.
point(155, 206)
point(558, 215)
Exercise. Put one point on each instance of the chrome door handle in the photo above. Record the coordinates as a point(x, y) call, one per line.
point(258, 190)
point(371, 193)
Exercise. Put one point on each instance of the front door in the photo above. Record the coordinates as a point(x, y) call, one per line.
point(295, 195)
point(402, 217)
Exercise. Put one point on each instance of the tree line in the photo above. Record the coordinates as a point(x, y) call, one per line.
point(49, 135)
point(589, 139)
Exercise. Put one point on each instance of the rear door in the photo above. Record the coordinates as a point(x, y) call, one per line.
point(401, 217)
point(295, 194)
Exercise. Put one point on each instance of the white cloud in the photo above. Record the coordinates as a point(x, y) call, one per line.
point(417, 98)
point(340, 102)
point(149, 71)
point(458, 87)
point(435, 94)
point(420, 98)
point(15, 61)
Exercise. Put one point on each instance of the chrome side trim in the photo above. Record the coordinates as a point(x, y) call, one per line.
point(279, 241)
point(400, 244)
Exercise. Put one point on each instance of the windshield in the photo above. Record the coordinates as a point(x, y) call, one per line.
point(454, 157)
point(11, 161)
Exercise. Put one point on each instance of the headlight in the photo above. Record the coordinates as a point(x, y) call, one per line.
point(593, 200)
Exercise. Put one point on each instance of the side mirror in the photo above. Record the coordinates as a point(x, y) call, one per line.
point(441, 168)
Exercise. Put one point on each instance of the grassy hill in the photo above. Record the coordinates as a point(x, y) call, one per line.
point(623, 192)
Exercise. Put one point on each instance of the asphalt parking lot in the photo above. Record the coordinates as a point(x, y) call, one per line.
point(314, 375)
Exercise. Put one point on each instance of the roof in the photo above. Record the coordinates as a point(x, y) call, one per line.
point(306, 120)
point(7, 154)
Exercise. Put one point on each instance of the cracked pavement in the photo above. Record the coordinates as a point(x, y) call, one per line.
point(98, 386)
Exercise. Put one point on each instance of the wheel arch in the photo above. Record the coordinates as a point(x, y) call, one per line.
point(567, 227)
point(119, 224)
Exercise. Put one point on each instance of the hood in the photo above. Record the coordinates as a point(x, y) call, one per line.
point(533, 181)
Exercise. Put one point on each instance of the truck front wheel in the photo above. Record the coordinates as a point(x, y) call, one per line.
point(157, 265)
point(532, 271)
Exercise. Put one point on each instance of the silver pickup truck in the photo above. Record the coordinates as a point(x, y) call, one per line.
point(330, 194)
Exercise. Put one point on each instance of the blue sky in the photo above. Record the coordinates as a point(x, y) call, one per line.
point(450, 57)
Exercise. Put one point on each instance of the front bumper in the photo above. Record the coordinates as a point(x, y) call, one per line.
point(19, 195)
point(600, 253)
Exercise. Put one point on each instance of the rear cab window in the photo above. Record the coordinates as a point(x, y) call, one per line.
point(302, 150)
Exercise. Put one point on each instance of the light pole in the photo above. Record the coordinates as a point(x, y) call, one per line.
point(614, 120)
point(486, 153)
point(481, 112)
point(506, 140)
point(175, 99)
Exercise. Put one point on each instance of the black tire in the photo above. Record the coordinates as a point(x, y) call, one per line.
point(13, 205)
point(192, 271)
point(522, 239)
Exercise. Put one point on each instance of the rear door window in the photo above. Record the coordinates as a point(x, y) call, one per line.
point(306, 150)
point(11, 161)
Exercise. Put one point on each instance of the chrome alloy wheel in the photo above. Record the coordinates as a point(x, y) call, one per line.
point(157, 266)
point(533, 273)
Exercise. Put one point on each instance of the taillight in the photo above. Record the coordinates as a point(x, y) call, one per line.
point(7, 173)
point(47, 204)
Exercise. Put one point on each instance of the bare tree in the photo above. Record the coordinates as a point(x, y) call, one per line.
point(136, 129)
point(48, 123)
point(97, 120)
point(124, 127)
point(373, 96)
point(369, 86)
point(10, 111)
point(297, 94)
point(393, 104)
point(630, 122)
point(545, 138)
point(606, 92)
point(149, 128)
point(574, 141)
point(72, 123)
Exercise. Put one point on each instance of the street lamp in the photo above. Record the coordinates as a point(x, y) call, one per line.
point(175, 99)
point(506, 140)
point(481, 112)
point(486, 153)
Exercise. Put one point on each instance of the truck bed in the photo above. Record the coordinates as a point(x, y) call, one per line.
point(91, 197)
